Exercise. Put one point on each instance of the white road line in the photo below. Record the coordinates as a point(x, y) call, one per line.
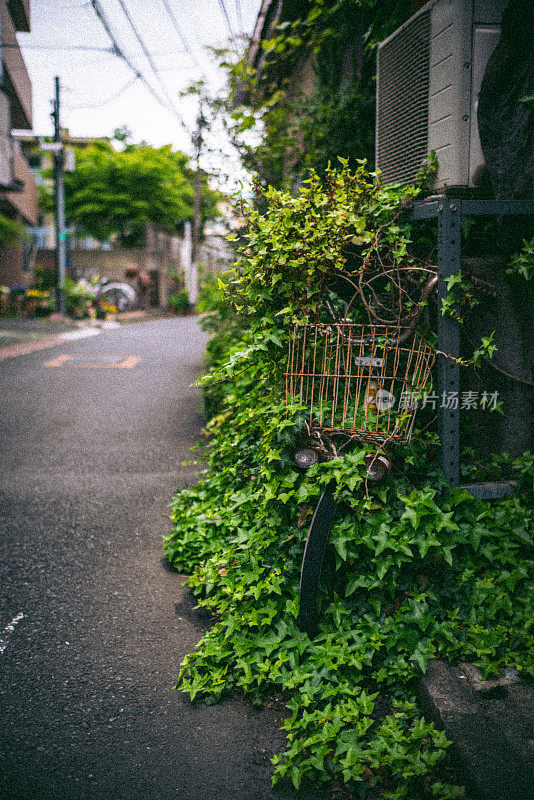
point(81, 334)
point(4, 640)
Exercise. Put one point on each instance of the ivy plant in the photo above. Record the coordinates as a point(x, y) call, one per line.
point(413, 570)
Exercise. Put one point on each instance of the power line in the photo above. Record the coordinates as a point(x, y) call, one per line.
point(181, 34)
point(120, 53)
point(83, 47)
point(61, 47)
point(71, 6)
point(116, 49)
point(108, 99)
point(227, 18)
point(150, 60)
point(239, 15)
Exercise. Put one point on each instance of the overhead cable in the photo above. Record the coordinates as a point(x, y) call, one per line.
point(150, 60)
point(227, 18)
point(120, 53)
point(239, 15)
point(83, 47)
point(182, 35)
point(61, 47)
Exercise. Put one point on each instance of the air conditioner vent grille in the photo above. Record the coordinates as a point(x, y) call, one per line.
point(402, 112)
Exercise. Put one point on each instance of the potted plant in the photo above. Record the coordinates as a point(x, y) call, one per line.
point(104, 310)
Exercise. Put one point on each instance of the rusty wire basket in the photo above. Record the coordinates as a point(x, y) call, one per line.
point(360, 380)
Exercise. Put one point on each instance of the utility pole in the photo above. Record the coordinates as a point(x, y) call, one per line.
point(59, 191)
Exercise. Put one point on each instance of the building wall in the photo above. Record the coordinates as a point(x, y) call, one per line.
point(16, 75)
point(25, 201)
point(11, 266)
point(114, 263)
point(18, 193)
point(215, 254)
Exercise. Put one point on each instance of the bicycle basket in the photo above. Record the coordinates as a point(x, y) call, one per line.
point(362, 380)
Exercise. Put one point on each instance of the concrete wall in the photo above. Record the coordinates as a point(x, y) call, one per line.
point(506, 309)
point(162, 254)
point(113, 264)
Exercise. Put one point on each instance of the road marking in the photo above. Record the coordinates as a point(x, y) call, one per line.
point(127, 363)
point(8, 630)
point(84, 333)
point(24, 348)
point(57, 362)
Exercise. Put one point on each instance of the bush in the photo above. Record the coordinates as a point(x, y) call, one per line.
point(220, 321)
point(179, 302)
point(43, 301)
point(412, 570)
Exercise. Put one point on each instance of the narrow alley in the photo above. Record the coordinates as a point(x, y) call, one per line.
point(93, 625)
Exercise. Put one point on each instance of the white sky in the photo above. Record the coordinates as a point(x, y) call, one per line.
point(89, 78)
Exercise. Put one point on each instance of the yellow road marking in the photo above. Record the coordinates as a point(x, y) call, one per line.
point(57, 362)
point(128, 362)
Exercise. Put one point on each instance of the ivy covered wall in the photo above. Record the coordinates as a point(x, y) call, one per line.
point(309, 81)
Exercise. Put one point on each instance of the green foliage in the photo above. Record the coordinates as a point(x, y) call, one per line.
point(220, 321)
point(79, 295)
point(459, 296)
point(115, 192)
point(179, 301)
point(486, 349)
point(209, 293)
point(334, 41)
point(412, 570)
point(458, 301)
point(10, 230)
point(522, 263)
point(293, 254)
point(45, 276)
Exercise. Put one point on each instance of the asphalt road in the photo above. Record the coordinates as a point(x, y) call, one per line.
point(93, 626)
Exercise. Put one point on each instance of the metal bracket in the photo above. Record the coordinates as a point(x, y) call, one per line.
point(448, 212)
point(449, 255)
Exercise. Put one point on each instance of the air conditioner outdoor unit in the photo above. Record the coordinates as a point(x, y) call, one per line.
point(429, 76)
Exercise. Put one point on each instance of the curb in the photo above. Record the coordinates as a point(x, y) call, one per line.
point(493, 765)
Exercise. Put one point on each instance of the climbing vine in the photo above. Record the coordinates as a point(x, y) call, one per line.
point(412, 571)
point(335, 41)
point(522, 263)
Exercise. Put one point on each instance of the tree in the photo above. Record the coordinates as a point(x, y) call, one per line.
point(10, 230)
point(113, 193)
